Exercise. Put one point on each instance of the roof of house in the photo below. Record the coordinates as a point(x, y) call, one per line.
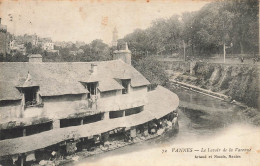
point(29, 82)
point(64, 77)
point(109, 84)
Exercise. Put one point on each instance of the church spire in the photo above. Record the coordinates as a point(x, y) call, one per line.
point(115, 37)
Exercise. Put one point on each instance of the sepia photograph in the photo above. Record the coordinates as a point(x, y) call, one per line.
point(129, 82)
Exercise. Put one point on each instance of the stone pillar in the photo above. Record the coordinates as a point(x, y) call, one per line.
point(22, 160)
point(129, 87)
point(56, 124)
point(24, 132)
point(81, 121)
point(146, 129)
point(106, 116)
point(38, 99)
point(22, 106)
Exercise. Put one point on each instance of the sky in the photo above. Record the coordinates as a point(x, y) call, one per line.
point(79, 20)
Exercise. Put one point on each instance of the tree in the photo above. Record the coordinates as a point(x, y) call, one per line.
point(227, 21)
point(28, 47)
point(246, 21)
point(204, 32)
point(151, 69)
point(37, 50)
point(139, 42)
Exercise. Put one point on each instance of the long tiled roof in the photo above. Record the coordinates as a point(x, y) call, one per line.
point(64, 78)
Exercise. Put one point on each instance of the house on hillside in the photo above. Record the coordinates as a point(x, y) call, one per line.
point(16, 47)
point(48, 46)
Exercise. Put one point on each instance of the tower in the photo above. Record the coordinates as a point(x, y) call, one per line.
point(114, 37)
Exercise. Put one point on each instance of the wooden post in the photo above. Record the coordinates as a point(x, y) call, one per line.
point(184, 51)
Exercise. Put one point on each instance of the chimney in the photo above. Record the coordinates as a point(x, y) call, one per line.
point(126, 46)
point(124, 55)
point(93, 69)
point(35, 58)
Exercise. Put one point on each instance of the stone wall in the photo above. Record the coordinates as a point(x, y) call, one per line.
point(240, 81)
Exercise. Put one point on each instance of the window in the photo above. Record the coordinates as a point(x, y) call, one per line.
point(92, 118)
point(11, 133)
point(92, 88)
point(70, 122)
point(38, 128)
point(30, 94)
point(116, 114)
point(125, 84)
point(132, 111)
point(78, 121)
point(4, 103)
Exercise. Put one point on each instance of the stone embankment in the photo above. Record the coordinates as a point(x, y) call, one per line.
point(238, 82)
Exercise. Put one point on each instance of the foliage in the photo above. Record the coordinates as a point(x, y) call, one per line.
point(17, 57)
point(203, 32)
point(95, 51)
point(151, 69)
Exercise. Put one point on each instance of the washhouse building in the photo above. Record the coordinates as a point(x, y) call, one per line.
point(63, 104)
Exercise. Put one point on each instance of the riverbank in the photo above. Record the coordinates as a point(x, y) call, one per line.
point(236, 83)
point(249, 114)
point(239, 81)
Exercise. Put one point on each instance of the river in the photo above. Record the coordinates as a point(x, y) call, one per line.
point(203, 120)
